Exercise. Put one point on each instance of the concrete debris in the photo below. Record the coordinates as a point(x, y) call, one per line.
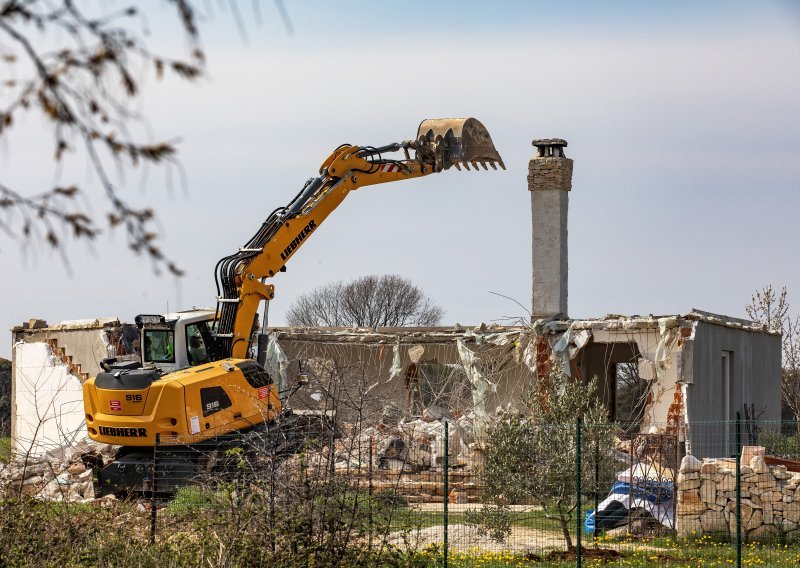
point(62, 475)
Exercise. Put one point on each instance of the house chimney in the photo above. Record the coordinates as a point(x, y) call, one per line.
point(549, 181)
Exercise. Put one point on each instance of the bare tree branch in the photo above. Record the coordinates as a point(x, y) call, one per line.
point(85, 88)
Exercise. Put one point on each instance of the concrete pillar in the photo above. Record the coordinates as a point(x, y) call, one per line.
point(549, 181)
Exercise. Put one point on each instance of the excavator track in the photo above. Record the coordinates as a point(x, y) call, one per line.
point(253, 452)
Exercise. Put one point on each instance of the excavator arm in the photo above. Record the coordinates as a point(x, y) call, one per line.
point(241, 277)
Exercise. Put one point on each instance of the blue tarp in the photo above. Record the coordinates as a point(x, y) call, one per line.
point(653, 491)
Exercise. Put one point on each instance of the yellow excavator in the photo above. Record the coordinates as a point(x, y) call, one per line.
point(195, 381)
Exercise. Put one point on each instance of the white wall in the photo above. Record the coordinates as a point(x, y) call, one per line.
point(48, 402)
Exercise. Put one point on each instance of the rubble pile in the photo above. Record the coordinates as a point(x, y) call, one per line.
point(407, 456)
point(62, 475)
point(770, 498)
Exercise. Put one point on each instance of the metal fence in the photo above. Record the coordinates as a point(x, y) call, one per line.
point(723, 493)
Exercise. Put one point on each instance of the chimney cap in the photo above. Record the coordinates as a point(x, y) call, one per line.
point(550, 142)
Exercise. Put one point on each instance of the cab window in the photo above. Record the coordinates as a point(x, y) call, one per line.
point(196, 348)
point(159, 346)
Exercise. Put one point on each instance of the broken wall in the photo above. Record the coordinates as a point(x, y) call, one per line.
point(405, 371)
point(49, 366)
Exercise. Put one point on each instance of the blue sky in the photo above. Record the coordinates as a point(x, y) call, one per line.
point(683, 119)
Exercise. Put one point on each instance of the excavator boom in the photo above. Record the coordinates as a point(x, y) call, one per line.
point(440, 144)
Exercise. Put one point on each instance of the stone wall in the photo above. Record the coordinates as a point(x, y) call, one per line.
point(770, 498)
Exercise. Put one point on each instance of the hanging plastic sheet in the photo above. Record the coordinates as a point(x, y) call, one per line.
point(397, 367)
point(276, 362)
point(481, 388)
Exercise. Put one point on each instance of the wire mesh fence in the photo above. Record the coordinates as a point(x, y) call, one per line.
point(554, 495)
point(312, 491)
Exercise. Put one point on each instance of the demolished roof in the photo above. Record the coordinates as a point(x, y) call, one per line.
point(610, 322)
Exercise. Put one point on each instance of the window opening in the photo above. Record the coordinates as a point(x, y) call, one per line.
point(159, 346)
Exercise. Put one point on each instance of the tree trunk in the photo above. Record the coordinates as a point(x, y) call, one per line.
point(565, 529)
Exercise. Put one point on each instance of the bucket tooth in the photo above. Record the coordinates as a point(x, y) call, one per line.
point(494, 166)
point(475, 165)
point(455, 140)
point(457, 165)
point(466, 165)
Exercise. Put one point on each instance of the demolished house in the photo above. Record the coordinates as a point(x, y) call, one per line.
point(655, 374)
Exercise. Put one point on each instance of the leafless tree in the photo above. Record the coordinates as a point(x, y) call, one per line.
point(370, 301)
point(81, 68)
point(772, 309)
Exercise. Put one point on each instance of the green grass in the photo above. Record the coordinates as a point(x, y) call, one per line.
point(5, 449)
point(704, 552)
point(189, 499)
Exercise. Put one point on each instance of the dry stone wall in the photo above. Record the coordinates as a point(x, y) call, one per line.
point(770, 498)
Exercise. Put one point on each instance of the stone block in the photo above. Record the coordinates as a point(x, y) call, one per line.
point(708, 491)
point(758, 464)
point(727, 483)
point(779, 472)
point(683, 477)
point(763, 532)
point(689, 464)
point(713, 521)
point(768, 518)
point(756, 518)
point(709, 467)
point(688, 525)
point(791, 512)
point(690, 484)
point(689, 503)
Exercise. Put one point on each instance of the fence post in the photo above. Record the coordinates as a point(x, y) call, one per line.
point(446, 490)
point(578, 524)
point(153, 489)
point(596, 481)
point(738, 491)
point(272, 502)
point(369, 489)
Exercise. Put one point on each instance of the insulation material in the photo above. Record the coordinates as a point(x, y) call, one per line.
point(397, 366)
point(276, 362)
point(481, 387)
point(668, 332)
point(497, 338)
point(647, 369)
point(561, 347)
point(529, 355)
point(48, 401)
point(415, 353)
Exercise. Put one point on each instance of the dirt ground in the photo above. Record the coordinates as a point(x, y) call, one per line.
point(461, 507)
point(464, 538)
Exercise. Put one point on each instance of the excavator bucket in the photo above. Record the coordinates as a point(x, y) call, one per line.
point(457, 142)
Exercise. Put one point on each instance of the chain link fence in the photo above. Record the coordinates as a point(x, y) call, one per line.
point(723, 493)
